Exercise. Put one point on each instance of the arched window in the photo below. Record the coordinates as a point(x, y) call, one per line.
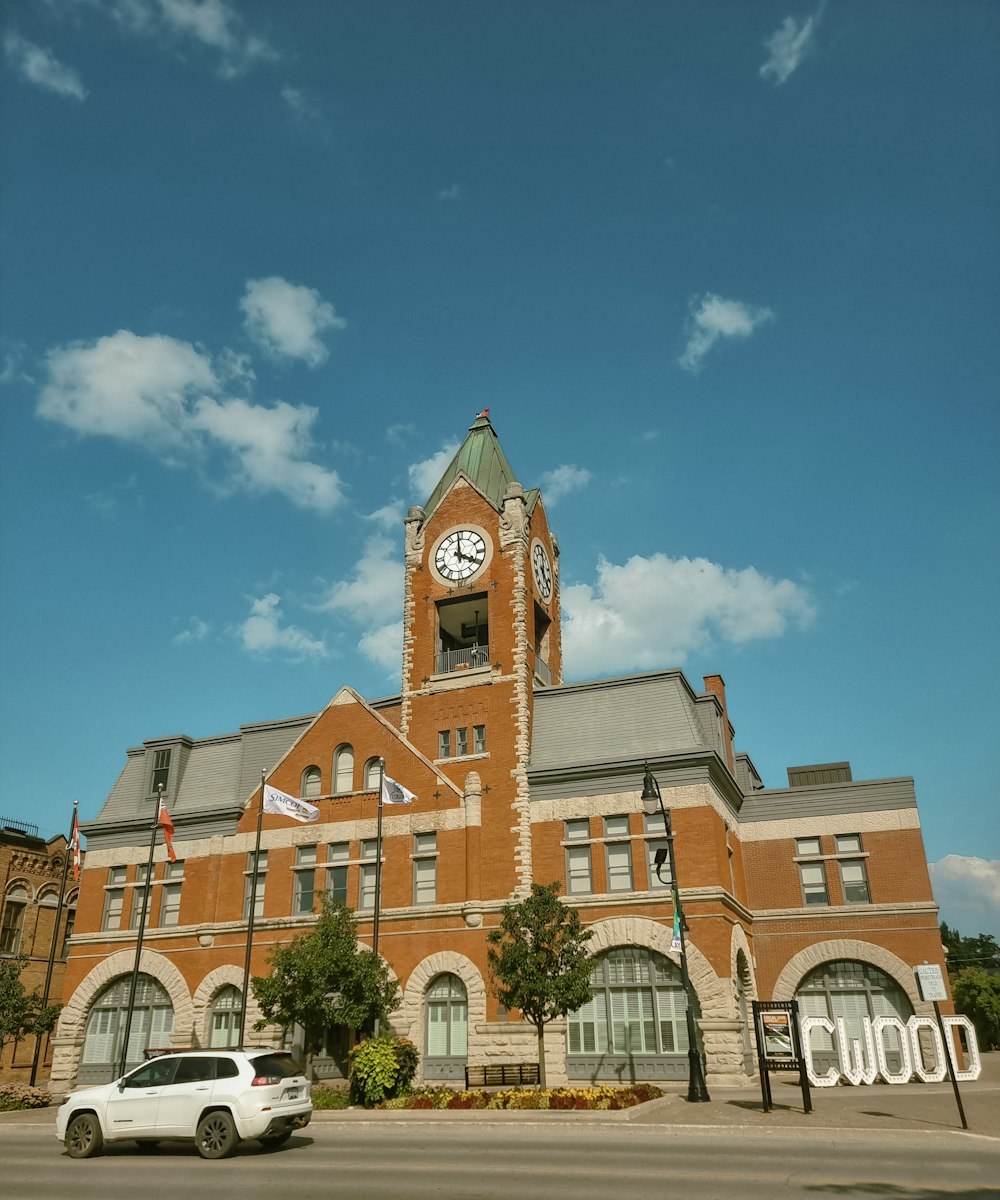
point(634, 1025)
point(312, 783)
point(14, 905)
point(851, 990)
point(343, 769)
point(152, 1022)
point(447, 1028)
point(373, 773)
point(227, 1009)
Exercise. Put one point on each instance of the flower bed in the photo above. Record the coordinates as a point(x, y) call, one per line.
point(585, 1099)
point(14, 1096)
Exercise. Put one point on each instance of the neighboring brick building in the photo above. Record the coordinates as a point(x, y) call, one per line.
point(31, 877)
point(820, 889)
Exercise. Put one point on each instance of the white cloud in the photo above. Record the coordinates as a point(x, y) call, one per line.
point(967, 890)
point(299, 104)
point(215, 25)
point(287, 320)
point(653, 612)
point(712, 318)
point(563, 480)
point(263, 633)
point(788, 45)
point(424, 476)
point(136, 389)
point(389, 517)
point(384, 646)
point(196, 630)
point(451, 192)
point(162, 394)
point(268, 447)
point(375, 592)
point(38, 65)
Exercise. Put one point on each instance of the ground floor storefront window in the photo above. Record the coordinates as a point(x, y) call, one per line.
point(633, 1027)
point(152, 1022)
point(851, 990)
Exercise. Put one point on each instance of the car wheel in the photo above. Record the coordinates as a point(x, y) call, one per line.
point(83, 1136)
point(147, 1145)
point(274, 1140)
point(216, 1136)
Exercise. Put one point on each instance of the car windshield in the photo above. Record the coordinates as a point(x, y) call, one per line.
point(281, 1065)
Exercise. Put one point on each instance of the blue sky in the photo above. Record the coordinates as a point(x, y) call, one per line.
point(726, 275)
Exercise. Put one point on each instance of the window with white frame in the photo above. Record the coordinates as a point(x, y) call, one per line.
point(337, 857)
point(444, 743)
point(618, 854)
point(312, 783)
point(447, 1018)
point(343, 770)
point(812, 875)
point(227, 1009)
point(424, 868)
point(479, 739)
point(657, 851)
point(305, 879)
point(368, 875)
point(114, 898)
point(576, 839)
point(142, 892)
point(373, 773)
point(461, 742)
point(248, 889)
point(854, 880)
point(170, 893)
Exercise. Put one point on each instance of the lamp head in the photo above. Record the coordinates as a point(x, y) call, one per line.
point(651, 801)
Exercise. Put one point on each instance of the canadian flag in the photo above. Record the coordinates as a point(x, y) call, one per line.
point(165, 823)
point(74, 847)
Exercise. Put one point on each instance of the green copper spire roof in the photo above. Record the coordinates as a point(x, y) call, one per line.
point(482, 460)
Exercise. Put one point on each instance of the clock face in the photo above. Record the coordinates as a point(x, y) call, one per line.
point(461, 554)
point(541, 568)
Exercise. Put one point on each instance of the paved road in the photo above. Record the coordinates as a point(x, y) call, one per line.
point(529, 1159)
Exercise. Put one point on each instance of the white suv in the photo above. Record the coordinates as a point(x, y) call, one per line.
point(215, 1097)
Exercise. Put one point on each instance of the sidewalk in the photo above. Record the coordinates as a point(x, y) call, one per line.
point(908, 1107)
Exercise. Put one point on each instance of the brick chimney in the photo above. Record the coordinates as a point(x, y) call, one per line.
point(717, 686)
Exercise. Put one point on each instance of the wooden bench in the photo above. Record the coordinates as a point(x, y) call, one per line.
point(501, 1075)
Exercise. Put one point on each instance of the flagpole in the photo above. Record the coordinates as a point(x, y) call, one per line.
point(55, 942)
point(250, 915)
point(378, 857)
point(146, 891)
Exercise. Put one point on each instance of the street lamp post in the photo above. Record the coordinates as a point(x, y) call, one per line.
point(652, 799)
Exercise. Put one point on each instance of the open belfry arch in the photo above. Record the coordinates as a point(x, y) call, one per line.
point(520, 777)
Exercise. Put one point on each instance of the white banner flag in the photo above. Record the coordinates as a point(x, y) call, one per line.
point(283, 805)
point(395, 793)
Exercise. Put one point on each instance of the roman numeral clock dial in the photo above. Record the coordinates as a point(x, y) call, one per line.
point(460, 555)
point(541, 569)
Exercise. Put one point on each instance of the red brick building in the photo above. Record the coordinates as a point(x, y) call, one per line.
point(819, 890)
point(31, 881)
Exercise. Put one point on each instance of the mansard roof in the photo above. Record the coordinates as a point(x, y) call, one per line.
point(481, 459)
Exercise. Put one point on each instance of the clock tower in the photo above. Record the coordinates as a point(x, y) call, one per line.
point(481, 633)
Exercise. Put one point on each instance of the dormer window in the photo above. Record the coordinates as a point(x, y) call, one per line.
point(161, 771)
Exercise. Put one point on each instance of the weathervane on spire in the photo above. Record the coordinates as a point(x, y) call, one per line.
point(484, 413)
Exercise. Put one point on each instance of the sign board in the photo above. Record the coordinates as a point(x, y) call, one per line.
point(778, 1045)
point(931, 982)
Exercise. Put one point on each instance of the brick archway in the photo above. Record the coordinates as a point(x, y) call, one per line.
point(806, 960)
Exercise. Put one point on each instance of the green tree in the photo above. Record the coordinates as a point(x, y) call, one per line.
point(21, 1011)
point(977, 994)
point(538, 960)
point(980, 951)
point(325, 978)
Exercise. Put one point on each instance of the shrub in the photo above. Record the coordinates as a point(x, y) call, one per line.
point(587, 1098)
point(381, 1068)
point(14, 1096)
point(325, 1097)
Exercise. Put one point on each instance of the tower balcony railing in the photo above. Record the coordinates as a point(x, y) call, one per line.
point(462, 659)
